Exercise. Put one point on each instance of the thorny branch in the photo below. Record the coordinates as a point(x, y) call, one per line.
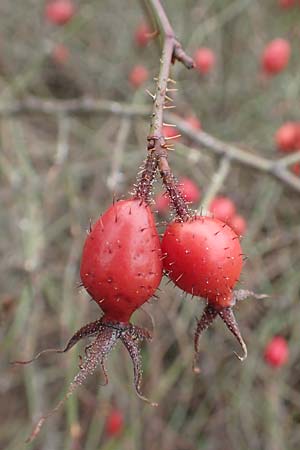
point(157, 143)
point(85, 106)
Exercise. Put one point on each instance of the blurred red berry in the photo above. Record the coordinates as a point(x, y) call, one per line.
point(60, 54)
point(170, 132)
point(59, 12)
point(222, 208)
point(277, 352)
point(142, 35)
point(138, 75)
point(276, 56)
point(296, 169)
point(189, 190)
point(162, 203)
point(287, 137)
point(204, 60)
point(238, 224)
point(194, 122)
point(286, 3)
point(114, 423)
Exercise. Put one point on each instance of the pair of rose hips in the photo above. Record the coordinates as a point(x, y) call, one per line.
point(123, 260)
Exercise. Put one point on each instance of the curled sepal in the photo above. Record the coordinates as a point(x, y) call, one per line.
point(243, 294)
point(86, 331)
point(207, 318)
point(228, 318)
point(131, 339)
point(95, 355)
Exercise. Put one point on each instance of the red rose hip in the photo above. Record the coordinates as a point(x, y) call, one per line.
point(286, 3)
point(204, 258)
point(287, 137)
point(277, 352)
point(121, 261)
point(142, 35)
point(238, 224)
point(204, 60)
point(114, 423)
point(138, 75)
point(276, 56)
point(59, 12)
point(222, 208)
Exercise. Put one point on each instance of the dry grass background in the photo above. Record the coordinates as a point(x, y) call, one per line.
point(54, 175)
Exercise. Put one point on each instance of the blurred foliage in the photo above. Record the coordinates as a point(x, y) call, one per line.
point(55, 175)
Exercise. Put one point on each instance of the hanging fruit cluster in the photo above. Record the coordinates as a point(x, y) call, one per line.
point(123, 259)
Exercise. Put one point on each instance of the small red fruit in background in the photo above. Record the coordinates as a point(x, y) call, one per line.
point(222, 208)
point(287, 137)
point(162, 203)
point(138, 75)
point(296, 168)
point(114, 423)
point(59, 12)
point(60, 54)
point(169, 132)
point(238, 224)
point(142, 35)
point(204, 60)
point(188, 189)
point(286, 3)
point(194, 122)
point(276, 56)
point(277, 352)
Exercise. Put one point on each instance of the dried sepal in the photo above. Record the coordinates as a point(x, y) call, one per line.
point(86, 331)
point(97, 353)
point(207, 318)
point(107, 334)
point(228, 318)
point(131, 339)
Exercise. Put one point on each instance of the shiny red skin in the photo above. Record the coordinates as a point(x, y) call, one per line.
point(59, 12)
point(238, 224)
point(204, 258)
point(276, 56)
point(222, 208)
point(277, 352)
point(205, 60)
point(142, 35)
point(114, 423)
point(287, 137)
point(138, 75)
point(121, 263)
